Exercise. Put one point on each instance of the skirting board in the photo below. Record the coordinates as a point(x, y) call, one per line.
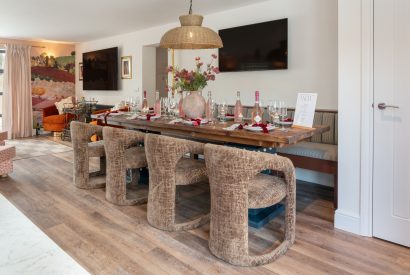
point(347, 222)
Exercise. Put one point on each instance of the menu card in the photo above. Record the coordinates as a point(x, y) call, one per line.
point(305, 110)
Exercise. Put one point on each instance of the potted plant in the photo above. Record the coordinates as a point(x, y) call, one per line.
point(193, 82)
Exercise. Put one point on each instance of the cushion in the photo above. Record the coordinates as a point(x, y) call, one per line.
point(312, 150)
point(54, 119)
point(7, 152)
point(265, 190)
point(190, 171)
point(96, 149)
point(135, 158)
point(64, 103)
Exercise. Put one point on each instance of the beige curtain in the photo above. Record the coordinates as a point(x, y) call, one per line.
point(17, 105)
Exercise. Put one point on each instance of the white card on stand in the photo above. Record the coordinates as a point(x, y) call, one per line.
point(305, 110)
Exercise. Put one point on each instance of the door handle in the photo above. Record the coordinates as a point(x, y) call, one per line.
point(384, 106)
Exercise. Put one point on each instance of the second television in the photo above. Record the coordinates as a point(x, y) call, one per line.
point(100, 70)
point(262, 46)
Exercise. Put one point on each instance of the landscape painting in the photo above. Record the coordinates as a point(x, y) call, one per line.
point(53, 78)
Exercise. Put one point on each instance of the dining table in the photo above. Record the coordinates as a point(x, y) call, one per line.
point(216, 132)
point(220, 133)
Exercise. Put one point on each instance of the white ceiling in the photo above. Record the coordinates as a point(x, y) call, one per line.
point(84, 20)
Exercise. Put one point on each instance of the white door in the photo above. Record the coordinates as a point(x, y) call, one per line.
point(391, 197)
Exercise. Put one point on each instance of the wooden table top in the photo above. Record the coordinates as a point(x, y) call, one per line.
point(216, 133)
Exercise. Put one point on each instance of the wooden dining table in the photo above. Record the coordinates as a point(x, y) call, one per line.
point(216, 132)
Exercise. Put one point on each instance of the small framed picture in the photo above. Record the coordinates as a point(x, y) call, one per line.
point(80, 71)
point(126, 67)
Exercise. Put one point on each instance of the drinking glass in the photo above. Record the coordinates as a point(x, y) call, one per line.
point(222, 111)
point(172, 107)
point(283, 113)
point(273, 111)
point(213, 110)
point(164, 107)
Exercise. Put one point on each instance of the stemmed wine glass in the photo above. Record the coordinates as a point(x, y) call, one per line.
point(283, 113)
point(222, 111)
point(273, 111)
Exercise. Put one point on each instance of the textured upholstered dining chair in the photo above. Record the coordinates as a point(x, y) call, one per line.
point(83, 151)
point(237, 185)
point(123, 151)
point(168, 168)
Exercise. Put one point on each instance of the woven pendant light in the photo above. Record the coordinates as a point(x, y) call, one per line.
point(191, 34)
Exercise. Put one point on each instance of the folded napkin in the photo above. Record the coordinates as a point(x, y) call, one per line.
point(233, 127)
point(175, 121)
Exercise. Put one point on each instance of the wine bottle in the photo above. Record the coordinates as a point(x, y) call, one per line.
point(145, 107)
point(238, 112)
point(208, 107)
point(257, 112)
point(157, 106)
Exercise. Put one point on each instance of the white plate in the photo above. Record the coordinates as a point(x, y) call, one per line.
point(258, 129)
point(285, 123)
point(144, 117)
point(188, 122)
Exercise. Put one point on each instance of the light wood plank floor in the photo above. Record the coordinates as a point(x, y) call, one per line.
point(108, 239)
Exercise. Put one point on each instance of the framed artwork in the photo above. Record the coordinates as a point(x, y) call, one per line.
point(80, 71)
point(126, 67)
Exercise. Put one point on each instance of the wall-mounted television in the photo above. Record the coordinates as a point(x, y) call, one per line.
point(100, 70)
point(262, 46)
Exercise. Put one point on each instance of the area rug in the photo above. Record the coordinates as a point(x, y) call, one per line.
point(34, 147)
point(25, 249)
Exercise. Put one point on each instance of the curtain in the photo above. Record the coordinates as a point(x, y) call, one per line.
point(17, 104)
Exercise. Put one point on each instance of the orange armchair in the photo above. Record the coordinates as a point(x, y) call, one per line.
point(52, 120)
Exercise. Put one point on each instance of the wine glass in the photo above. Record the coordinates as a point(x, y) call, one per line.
point(172, 107)
point(222, 110)
point(213, 110)
point(283, 113)
point(273, 110)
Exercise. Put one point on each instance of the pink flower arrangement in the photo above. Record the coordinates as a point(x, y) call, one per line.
point(196, 79)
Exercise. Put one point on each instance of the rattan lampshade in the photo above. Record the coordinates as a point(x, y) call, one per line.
point(191, 35)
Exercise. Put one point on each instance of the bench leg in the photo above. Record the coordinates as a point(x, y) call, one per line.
point(335, 192)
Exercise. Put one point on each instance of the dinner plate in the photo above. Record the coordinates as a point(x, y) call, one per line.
point(285, 122)
point(259, 129)
point(144, 117)
point(188, 122)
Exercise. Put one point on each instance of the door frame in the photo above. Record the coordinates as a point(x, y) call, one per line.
point(367, 119)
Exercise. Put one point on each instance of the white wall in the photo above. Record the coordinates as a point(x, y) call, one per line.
point(312, 54)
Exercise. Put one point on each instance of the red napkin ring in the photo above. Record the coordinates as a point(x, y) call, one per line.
point(196, 122)
point(263, 126)
point(149, 116)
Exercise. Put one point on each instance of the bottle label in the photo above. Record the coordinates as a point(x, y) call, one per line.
point(257, 119)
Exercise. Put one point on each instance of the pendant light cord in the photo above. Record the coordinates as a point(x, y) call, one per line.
point(190, 8)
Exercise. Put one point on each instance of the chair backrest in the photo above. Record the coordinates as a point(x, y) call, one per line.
point(169, 150)
point(81, 132)
point(122, 137)
point(239, 166)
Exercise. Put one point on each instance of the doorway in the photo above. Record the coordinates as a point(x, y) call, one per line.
point(391, 173)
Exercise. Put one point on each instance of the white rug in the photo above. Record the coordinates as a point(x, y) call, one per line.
point(25, 249)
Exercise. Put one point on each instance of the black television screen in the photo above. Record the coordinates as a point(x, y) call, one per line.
point(100, 70)
point(262, 46)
